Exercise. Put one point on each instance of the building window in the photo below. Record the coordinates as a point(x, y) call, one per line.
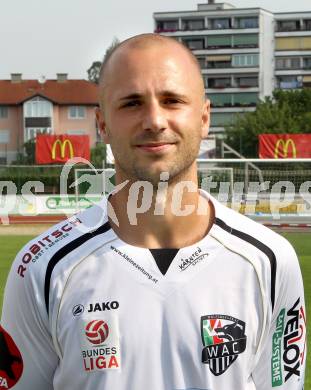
point(202, 62)
point(194, 44)
point(195, 24)
point(222, 119)
point(219, 41)
point(289, 82)
point(307, 25)
point(247, 23)
point(247, 82)
point(288, 25)
point(245, 99)
point(3, 112)
point(288, 63)
point(220, 99)
point(4, 136)
point(307, 63)
point(38, 108)
point(220, 24)
point(220, 82)
point(245, 40)
point(31, 132)
point(217, 62)
point(245, 60)
point(76, 132)
point(77, 112)
point(293, 43)
point(167, 25)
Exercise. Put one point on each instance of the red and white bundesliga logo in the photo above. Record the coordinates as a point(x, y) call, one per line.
point(97, 331)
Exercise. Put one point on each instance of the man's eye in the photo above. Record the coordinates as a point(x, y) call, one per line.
point(131, 103)
point(171, 101)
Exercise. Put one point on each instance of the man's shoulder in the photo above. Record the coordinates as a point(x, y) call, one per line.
point(36, 254)
point(251, 231)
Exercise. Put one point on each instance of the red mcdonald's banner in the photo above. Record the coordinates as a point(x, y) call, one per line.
point(285, 145)
point(55, 149)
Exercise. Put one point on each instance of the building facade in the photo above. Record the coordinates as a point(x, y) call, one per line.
point(244, 53)
point(30, 107)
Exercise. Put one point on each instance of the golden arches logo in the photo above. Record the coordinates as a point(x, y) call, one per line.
point(281, 144)
point(62, 147)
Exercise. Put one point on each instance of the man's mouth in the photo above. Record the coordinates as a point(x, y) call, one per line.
point(155, 146)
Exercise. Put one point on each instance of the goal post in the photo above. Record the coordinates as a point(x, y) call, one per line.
point(268, 188)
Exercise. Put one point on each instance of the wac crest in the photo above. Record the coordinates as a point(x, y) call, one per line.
point(223, 339)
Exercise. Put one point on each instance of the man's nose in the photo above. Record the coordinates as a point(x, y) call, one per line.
point(154, 118)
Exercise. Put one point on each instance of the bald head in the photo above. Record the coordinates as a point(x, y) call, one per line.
point(144, 42)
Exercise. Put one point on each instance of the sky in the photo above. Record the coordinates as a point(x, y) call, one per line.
point(45, 37)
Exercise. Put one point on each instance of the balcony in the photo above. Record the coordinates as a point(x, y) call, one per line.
point(246, 85)
point(306, 25)
point(244, 23)
point(288, 63)
point(290, 25)
point(233, 104)
point(193, 25)
point(220, 24)
point(194, 44)
point(218, 65)
point(294, 84)
point(164, 30)
point(307, 63)
point(166, 26)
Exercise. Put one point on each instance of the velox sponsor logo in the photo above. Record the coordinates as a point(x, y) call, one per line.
point(288, 345)
point(224, 340)
point(194, 259)
point(100, 345)
point(35, 251)
point(276, 359)
point(11, 362)
point(294, 341)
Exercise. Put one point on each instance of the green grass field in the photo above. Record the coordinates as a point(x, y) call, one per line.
point(301, 242)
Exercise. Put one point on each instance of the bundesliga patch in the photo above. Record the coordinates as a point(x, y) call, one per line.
point(224, 340)
point(11, 362)
point(100, 346)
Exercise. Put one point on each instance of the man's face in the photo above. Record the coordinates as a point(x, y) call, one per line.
point(154, 113)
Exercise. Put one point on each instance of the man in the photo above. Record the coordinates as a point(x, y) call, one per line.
point(167, 289)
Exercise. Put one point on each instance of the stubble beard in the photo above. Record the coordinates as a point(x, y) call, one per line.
point(177, 170)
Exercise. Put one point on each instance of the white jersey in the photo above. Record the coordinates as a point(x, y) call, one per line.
point(85, 310)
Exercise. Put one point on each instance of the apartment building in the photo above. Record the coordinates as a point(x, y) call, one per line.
point(293, 50)
point(30, 107)
point(244, 53)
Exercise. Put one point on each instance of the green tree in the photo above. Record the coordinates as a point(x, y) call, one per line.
point(287, 112)
point(28, 157)
point(94, 71)
point(98, 154)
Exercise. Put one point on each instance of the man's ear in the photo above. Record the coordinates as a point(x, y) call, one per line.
point(206, 115)
point(101, 124)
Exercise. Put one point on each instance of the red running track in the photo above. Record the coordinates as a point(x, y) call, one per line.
point(36, 219)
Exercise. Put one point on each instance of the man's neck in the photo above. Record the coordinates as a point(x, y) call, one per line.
point(172, 220)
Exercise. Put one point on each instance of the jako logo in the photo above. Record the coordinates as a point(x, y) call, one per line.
point(97, 331)
point(78, 310)
point(103, 306)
